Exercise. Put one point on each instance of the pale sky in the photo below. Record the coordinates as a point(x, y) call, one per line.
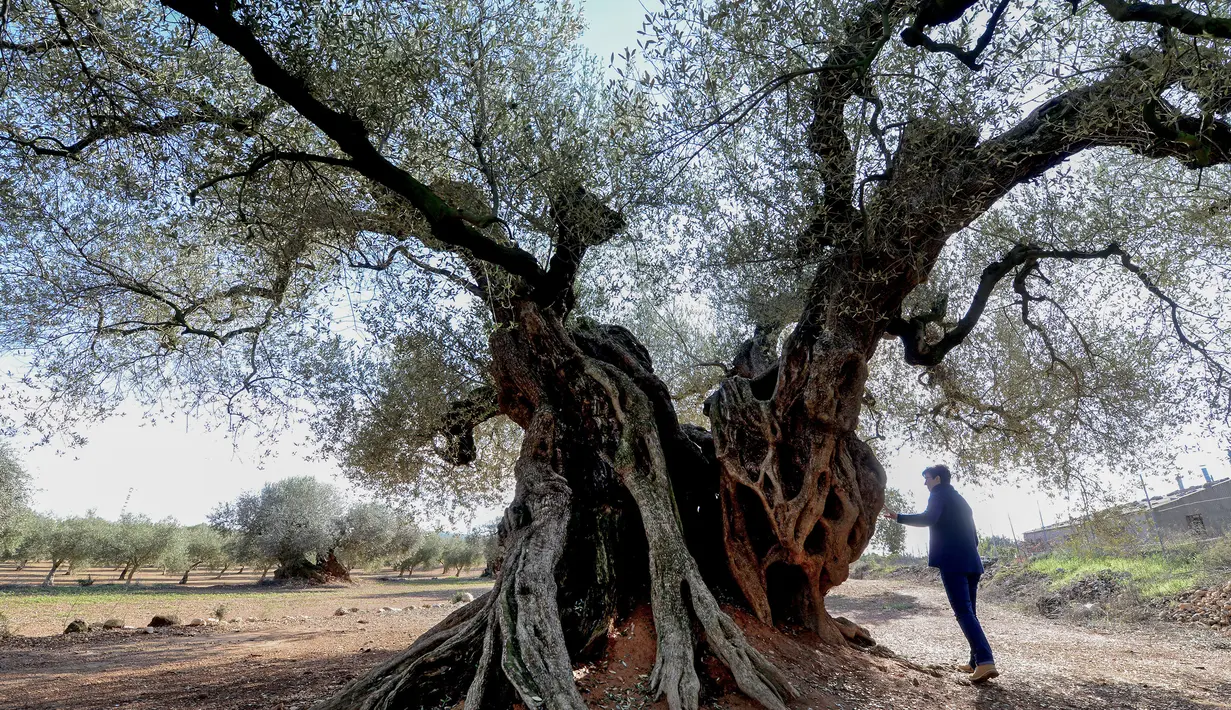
point(184, 470)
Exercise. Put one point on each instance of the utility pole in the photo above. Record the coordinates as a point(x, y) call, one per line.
point(1150, 505)
point(1046, 537)
point(1014, 534)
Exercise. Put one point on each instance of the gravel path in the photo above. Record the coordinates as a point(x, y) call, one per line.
point(1044, 663)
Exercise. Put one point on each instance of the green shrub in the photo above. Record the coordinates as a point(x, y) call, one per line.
point(1215, 559)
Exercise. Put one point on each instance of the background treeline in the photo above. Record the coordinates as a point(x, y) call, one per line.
point(283, 526)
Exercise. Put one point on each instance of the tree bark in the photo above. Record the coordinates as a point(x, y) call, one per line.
point(184, 579)
point(50, 579)
point(798, 506)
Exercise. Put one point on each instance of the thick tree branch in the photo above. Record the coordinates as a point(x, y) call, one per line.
point(914, 36)
point(582, 221)
point(1175, 17)
point(912, 331)
point(1122, 110)
point(842, 76)
point(448, 225)
point(459, 422)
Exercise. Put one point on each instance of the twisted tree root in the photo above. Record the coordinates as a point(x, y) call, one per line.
point(433, 670)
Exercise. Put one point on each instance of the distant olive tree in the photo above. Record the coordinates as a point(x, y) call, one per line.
point(14, 497)
point(71, 541)
point(889, 537)
point(15, 529)
point(232, 520)
point(137, 541)
point(14, 485)
point(365, 533)
point(488, 540)
point(293, 522)
point(426, 554)
point(34, 539)
point(407, 537)
point(193, 547)
point(460, 553)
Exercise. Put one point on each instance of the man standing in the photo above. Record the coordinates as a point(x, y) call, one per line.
point(953, 548)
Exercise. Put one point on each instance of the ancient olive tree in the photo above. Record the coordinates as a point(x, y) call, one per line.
point(409, 221)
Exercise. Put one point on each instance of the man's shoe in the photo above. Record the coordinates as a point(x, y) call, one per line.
point(966, 668)
point(984, 672)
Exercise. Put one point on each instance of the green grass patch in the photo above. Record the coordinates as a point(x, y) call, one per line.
point(1152, 575)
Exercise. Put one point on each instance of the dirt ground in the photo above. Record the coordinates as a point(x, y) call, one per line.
point(287, 649)
point(286, 663)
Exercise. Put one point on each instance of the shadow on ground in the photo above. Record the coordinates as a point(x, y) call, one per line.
point(884, 607)
point(43, 658)
point(250, 683)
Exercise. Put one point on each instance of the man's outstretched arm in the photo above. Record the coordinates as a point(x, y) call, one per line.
point(922, 520)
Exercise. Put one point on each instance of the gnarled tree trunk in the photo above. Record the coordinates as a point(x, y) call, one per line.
point(594, 529)
point(800, 492)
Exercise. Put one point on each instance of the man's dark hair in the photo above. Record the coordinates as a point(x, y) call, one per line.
point(941, 471)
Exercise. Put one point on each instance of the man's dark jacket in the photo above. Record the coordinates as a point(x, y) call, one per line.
point(953, 545)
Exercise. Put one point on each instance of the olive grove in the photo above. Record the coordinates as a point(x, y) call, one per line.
point(438, 234)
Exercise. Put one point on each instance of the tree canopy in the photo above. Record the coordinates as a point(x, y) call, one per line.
point(179, 226)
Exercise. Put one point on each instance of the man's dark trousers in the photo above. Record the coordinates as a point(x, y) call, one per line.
point(962, 588)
